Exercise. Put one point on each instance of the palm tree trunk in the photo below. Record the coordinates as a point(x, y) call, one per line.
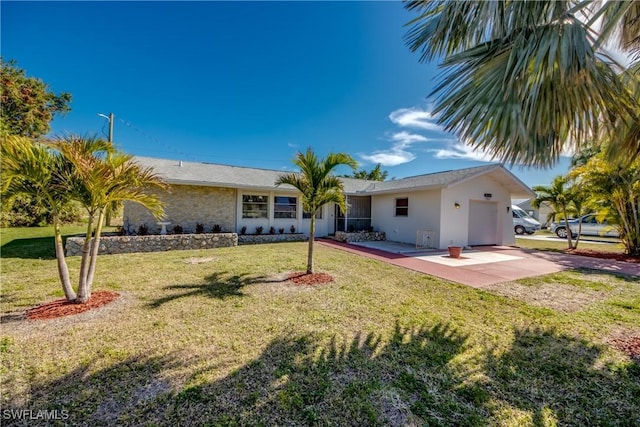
point(63, 269)
point(312, 232)
point(84, 265)
point(566, 222)
point(95, 247)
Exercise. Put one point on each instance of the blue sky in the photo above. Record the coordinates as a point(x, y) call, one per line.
point(243, 83)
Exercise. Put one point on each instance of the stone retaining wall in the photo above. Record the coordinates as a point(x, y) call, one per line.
point(251, 239)
point(360, 236)
point(155, 243)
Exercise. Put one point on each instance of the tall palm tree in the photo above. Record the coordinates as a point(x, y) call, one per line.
point(104, 177)
point(318, 186)
point(32, 168)
point(558, 196)
point(526, 80)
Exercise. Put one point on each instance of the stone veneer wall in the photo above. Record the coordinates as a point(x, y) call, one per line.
point(187, 205)
point(250, 239)
point(360, 236)
point(154, 243)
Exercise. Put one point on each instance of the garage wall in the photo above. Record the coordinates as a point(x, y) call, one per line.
point(454, 227)
point(424, 214)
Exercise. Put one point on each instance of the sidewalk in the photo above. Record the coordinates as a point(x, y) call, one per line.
point(483, 266)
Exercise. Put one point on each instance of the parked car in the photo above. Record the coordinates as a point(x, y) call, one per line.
point(590, 227)
point(523, 222)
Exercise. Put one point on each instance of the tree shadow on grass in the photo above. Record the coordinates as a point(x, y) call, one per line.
point(557, 379)
point(33, 248)
point(367, 380)
point(406, 378)
point(90, 395)
point(302, 380)
point(217, 285)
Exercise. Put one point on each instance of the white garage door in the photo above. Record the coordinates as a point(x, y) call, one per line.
point(483, 223)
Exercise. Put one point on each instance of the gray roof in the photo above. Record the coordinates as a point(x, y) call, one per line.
point(216, 175)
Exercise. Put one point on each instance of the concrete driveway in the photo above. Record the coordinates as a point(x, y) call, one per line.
point(481, 266)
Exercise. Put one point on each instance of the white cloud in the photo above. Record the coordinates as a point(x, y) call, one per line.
point(462, 151)
point(414, 118)
point(389, 158)
point(397, 154)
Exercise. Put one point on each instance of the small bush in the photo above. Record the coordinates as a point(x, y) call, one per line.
point(217, 228)
point(120, 231)
point(199, 228)
point(281, 230)
point(292, 229)
point(243, 230)
point(178, 229)
point(272, 230)
point(259, 230)
point(143, 230)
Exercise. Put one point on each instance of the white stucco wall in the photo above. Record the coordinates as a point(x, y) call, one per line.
point(454, 227)
point(424, 214)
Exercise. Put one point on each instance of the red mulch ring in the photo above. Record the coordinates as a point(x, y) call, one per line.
point(62, 307)
point(630, 346)
point(301, 278)
point(604, 255)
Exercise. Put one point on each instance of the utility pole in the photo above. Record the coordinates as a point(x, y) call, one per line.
point(110, 118)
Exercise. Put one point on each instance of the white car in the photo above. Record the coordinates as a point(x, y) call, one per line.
point(523, 222)
point(590, 227)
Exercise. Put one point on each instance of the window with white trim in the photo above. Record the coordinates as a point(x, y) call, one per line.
point(285, 207)
point(402, 206)
point(254, 206)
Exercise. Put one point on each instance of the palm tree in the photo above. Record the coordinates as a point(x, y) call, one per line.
point(617, 189)
point(525, 80)
point(104, 177)
point(318, 186)
point(558, 197)
point(34, 169)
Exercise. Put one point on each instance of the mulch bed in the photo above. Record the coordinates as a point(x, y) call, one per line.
point(62, 307)
point(630, 346)
point(304, 279)
point(604, 255)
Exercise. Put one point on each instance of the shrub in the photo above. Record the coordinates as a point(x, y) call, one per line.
point(199, 228)
point(281, 230)
point(243, 230)
point(217, 228)
point(292, 229)
point(259, 230)
point(143, 230)
point(120, 231)
point(272, 230)
point(178, 229)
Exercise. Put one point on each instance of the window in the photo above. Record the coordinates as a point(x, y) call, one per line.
point(255, 206)
point(285, 207)
point(307, 215)
point(402, 207)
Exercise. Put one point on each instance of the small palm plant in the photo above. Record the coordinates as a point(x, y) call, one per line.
point(318, 186)
point(102, 177)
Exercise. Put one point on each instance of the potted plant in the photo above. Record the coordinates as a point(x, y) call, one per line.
point(455, 251)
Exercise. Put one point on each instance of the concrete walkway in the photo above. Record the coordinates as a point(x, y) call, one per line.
point(481, 266)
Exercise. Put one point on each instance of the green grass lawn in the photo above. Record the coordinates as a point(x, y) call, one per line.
point(557, 244)
point(227, 342)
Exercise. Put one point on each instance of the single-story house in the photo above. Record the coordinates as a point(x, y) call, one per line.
point(461, 207)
